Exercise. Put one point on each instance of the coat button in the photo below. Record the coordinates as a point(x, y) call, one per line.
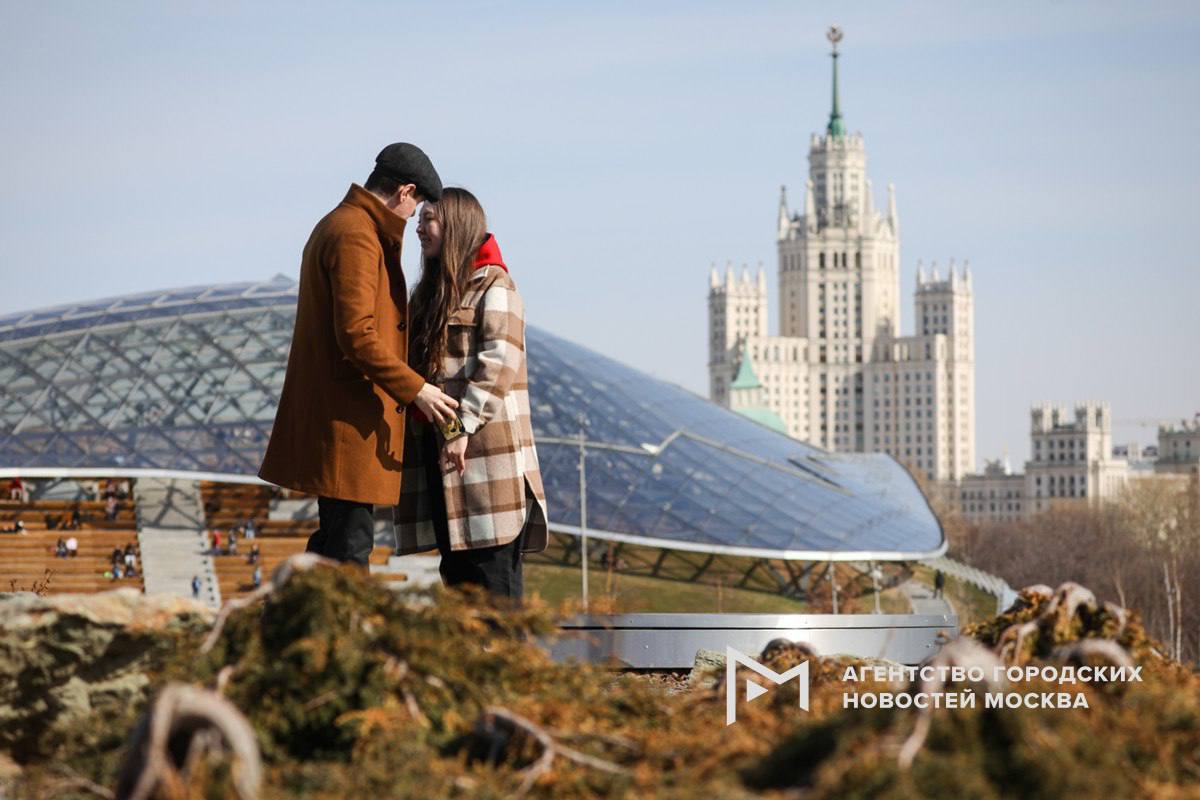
point(399, 409)
point(401, 325)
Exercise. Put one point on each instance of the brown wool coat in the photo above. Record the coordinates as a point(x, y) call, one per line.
point(501, 490)
point(339, 429)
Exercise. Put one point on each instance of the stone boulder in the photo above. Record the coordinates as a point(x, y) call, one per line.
point(69, 656)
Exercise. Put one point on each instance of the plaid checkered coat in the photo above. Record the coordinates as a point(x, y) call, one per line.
point(485, 371)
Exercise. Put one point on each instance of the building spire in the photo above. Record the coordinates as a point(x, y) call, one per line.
point(784, 220)
point(835, 126)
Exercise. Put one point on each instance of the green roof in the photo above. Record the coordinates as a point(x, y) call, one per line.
point(764, 416)
point(746, 379)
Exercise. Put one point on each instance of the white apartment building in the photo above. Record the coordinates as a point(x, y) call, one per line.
point(1071, 456)
point(996, 494)
point(1179, 448)
point(838, 372)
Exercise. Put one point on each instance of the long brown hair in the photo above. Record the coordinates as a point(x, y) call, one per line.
point(464, 228)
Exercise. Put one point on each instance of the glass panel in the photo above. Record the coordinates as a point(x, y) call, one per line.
point(189, 379)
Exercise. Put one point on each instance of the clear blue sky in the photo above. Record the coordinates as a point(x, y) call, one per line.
point(621, 147)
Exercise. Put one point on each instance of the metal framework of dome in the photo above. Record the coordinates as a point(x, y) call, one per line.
point(186, 381)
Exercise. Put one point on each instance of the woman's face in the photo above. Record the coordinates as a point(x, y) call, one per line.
point(429, 231)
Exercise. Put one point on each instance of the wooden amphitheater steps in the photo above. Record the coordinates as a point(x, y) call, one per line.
point(227, 506)
point(91, 512)
point(235, 574)
point(26, 558)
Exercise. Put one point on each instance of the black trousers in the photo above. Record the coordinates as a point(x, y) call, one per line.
point(347, 531)
point(497, 568)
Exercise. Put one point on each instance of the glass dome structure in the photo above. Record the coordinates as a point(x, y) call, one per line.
point(187, 381)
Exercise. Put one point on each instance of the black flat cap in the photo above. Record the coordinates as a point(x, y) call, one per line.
point(408, 163)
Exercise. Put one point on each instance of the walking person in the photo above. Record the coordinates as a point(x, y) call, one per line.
point(939, 583)
point(471, 488)
point(339, 429)
point(196, 587)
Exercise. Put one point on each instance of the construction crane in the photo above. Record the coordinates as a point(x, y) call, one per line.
point(1150, 423)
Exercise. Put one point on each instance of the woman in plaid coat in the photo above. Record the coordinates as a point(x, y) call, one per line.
point(472, 489)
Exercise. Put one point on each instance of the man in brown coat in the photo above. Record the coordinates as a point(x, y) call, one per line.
point(339, 429)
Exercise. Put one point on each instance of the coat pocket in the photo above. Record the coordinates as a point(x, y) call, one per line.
point(461, 316)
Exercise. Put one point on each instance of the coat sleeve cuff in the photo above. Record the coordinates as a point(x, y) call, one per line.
point(470, 421)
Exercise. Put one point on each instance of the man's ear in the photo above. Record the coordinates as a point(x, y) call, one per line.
point(402, 191)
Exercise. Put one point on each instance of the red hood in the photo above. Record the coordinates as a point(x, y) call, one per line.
point(489, 253)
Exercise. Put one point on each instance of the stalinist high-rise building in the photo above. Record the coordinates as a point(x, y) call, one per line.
point(838, 373)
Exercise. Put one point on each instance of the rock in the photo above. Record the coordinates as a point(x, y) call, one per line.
point(68, 656)
point(707, 670)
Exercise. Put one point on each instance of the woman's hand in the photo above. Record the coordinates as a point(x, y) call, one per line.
point(454, 454)
point(435, 404)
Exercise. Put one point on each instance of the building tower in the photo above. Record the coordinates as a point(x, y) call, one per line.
point(839, 278)
point(945, 315)
point(737, 311)
point(838, 372)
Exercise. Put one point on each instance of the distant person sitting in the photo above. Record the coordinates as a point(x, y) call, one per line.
point(16, 491)
point(60, 548)
point(130, 557)
point(216, 542)
point(233, 543)
point(253, 557)
point(196, 587)
point(257, 576)
point(117, 572)
point(72, 547)
point(76, 519)
point(250, 530)
point(110, 508)
point(19, 527)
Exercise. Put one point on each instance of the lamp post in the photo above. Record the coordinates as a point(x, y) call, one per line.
point(833, 585)
point(581, 441)
point(583, 537)
point(876, 574)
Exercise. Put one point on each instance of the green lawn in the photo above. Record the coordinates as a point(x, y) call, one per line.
point(971, 603)
point(560, 584)
point(891, 601)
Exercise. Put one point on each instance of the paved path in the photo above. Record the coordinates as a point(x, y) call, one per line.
point(173, 541)
point(921, 598)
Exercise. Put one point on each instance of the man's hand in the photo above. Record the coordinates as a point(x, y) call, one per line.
point(454, 454)
point(435, 404)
